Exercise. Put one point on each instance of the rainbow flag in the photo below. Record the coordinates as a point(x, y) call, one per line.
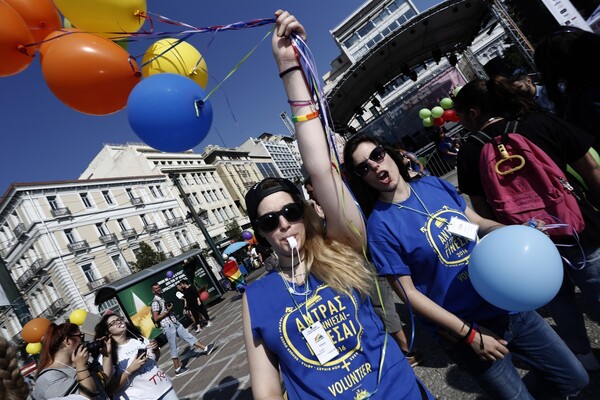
point(233, 273)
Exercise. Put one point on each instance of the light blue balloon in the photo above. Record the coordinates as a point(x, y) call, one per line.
point(167, 113)
point(516, 268)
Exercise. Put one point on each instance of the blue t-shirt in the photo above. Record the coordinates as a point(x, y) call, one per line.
point(404, 240)
point(357, 332)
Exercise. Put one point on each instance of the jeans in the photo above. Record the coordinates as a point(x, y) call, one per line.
point(174, 330)
point(532, 340)
point(564, 309)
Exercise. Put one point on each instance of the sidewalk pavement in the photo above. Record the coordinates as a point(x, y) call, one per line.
point(224, 375)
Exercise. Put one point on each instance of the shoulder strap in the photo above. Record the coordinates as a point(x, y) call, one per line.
point(511, 127)
point(481, 137)
point(51, 369)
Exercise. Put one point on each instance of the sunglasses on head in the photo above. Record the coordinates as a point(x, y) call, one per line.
point(268, 222)
point(377, 155)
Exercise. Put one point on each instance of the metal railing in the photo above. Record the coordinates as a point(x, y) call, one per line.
point(151, 228)
point(25, 278)
point(38, 265)
point(97, 283)
point(19, 230)
point(136, 201)
point(129, 233)
point(173, 222)
point(61, 212)
point(78, 246)
point(108, 239)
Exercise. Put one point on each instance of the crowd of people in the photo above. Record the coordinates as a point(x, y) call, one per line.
point(323, 319)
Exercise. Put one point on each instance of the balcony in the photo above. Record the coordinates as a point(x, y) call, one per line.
point(136, 201)
point(169, 255)
point(24, 279)
point(97, 283)
point(61, 212)
point(17, 339)
point(174, 222)
point(81, 245)
point(151, 228)
point(109, 239)
point(19, 230)
point(188, 247)
point(38, 265)
point(129, 233)
point(53, 309)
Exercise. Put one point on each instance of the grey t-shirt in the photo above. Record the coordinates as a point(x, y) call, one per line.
point(55, 382)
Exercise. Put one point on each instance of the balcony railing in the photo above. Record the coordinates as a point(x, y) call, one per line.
point(108, 239)
point(25, 278)
point(53, 309)
point(151, 228)
point(128, 233)
point(136, 201)
point(173, 222)
point(97, 283)
point(17, 339)
point(81, 245)
point(169, 254)
point(38, 265)
point(187, 247)
point(19, 230)
point(61, 212)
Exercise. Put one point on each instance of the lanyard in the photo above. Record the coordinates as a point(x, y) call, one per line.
point(426, 213)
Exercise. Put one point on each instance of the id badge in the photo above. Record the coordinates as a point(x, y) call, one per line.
point(462, 228)
point(320, 343)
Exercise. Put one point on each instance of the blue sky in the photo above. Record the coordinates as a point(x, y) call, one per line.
point(43, 139)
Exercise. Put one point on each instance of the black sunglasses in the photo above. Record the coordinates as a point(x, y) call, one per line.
point(79, 335)
point(377, 155)
point(293, 212)
point(114, 322)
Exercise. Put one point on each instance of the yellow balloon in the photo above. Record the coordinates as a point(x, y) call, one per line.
point(33, 348)
point(78, 316)
point(103, 16)
point(182, 59)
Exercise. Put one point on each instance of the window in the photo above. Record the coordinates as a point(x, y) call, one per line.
point(144, 219)
point(130, 194)
point(160, 192)
point(107, 197)
point(102, 229)
point(159, 246)
point(117, 261)
point(89, 272)
point(122, 224)
point(152, 191)
point(86, 200)
point(52, 202)
point(70, 236)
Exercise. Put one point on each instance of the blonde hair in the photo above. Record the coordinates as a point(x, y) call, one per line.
point(12, 384)
point(331, 261)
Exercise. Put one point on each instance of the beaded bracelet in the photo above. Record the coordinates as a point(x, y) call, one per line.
point(301, 102)
point(287, 71)
point(307, 117)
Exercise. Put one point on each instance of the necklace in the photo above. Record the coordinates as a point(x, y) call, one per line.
point(426, 213)
point(62, 363)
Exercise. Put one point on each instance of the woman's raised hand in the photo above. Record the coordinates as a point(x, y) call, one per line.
point(282, 45)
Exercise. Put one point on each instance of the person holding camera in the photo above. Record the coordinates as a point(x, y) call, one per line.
point(162, 315)
point(135, 362)
point(64, 368)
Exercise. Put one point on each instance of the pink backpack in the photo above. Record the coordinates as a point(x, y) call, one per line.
point(521, 182)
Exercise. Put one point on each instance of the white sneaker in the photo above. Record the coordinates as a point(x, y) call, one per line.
point(198, 330)
point(208, 324)
point(589, 361)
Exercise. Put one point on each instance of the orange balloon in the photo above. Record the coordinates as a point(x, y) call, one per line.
point(50, 39)
point(34, 330)
point(41, 16)
point(14, 34)
point(89, 73)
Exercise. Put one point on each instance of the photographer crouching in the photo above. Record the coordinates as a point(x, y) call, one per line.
point(65, 368)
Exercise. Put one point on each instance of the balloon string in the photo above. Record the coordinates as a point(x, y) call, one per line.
point(240, 63)
point(178, 42)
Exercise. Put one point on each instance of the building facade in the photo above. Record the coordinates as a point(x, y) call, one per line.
point(201, 183)
point(60, 241)
point(275, 155)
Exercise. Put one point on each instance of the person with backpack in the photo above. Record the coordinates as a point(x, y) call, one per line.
point(162, 315)
point(536, 185)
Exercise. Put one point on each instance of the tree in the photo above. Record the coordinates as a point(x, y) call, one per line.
point(233, 231)
point(147, 257)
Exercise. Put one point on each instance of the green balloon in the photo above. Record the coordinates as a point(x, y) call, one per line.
point(427, 122)
point(437, 112)
point(456, 90)
point(424, 113)
point(447, 103)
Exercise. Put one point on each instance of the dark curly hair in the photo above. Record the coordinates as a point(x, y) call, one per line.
point(101, 331)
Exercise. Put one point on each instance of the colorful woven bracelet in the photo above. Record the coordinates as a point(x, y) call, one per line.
point(307, 117)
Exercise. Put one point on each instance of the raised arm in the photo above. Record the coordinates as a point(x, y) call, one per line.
point(343, 216)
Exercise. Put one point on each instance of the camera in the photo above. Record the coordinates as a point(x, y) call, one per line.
point(93, 348)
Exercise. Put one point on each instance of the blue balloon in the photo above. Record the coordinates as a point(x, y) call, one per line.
point(516, 268)
point(167, 113)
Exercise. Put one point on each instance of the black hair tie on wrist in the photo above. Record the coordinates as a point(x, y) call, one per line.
point(287, 71)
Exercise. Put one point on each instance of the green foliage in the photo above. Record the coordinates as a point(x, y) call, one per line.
point(233, 231)
point(148, 257)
